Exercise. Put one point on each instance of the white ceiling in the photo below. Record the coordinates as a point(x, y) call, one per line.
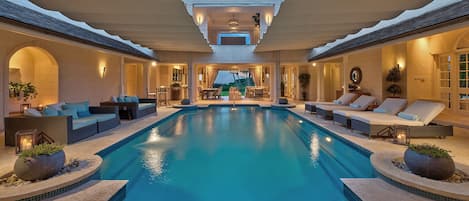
point(157, 24)
point(166, 25)
point(218, 17)
point(304, 24)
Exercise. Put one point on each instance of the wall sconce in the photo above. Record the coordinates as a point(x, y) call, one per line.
point(25, 139)
point(314, 64)
point(201, 77)
point(418, 78)
point(199, 20)
point(268, 19)
point(24, 107)
point(103, 71)
point(153, 63)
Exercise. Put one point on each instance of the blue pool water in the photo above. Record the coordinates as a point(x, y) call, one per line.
point(248, 154)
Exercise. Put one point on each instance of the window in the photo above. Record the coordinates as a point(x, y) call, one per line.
point(463, 81)
point(234, 39)
point(445, 79)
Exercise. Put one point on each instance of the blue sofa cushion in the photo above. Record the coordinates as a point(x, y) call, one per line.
point(82, 122)
point(69, 112)
point(82, 108)
point(131, 99)
point(143, 106)
point(100, 117)
point(50, 112)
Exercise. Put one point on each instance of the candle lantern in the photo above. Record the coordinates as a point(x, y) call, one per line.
point(401, 135)
point(25, 139)
point(24, 107)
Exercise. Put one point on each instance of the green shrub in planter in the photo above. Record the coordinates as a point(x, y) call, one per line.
point(40, 162)
point(429, 161)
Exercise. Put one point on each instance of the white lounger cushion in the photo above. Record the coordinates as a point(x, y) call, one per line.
point(390, 105)
point(374, 118)
point(336, 107)
point(393, 105)
point(362, 103)
point(320, 103)
point(344, 100)
point(425, 110)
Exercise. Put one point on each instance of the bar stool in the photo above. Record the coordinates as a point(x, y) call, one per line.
point(162, 93)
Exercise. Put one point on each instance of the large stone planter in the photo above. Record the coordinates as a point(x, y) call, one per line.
point(39, 167)
point(426, 166)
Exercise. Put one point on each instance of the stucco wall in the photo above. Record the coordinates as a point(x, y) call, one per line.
point(370, 64)
point(79, 69)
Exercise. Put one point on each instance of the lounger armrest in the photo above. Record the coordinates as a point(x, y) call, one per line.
point(147, 100)
point(104, 109)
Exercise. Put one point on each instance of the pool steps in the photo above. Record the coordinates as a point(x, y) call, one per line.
point(376, 189)
point(98, 190)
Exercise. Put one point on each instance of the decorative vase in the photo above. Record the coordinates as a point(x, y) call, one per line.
point(39, 167)
point(426, 166)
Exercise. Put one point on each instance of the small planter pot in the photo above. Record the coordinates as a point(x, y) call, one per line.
point(39, 167)
point(426, 166)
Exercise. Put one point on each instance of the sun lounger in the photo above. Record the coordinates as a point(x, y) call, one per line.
point(345, 99)
point(361, 104)
point(389, 106)
point(417, 117)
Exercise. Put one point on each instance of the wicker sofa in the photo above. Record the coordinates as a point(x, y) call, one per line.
point(134, 110)
point(64, 129)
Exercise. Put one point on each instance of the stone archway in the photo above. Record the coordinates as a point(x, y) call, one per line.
point(36, 65)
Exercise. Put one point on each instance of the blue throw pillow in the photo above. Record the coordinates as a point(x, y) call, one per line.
point(84, 113)
point(134, 99)
point(408, 116)
point(121, 99)
point(69, 112)
point(355, 106)
point(337, 102)
point(82, 108)
point(50, 112)
point(79, 107)
point(379, 110)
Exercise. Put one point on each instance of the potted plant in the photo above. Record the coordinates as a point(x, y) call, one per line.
point(394, 76)
point(282, 88)
point(394, 89)
point(40, 162)
point(175, 91)
point(20, 90)
point(429, 161)
point(304, 78)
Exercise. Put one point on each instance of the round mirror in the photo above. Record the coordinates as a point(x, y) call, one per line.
point(356, 75)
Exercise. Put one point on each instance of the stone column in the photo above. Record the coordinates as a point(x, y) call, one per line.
point(277, 78)
point(192, 82)
point(320, 82)
point(146, 78)
point(122, 77)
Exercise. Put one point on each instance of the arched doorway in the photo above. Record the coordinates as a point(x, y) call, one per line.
point(36, 66)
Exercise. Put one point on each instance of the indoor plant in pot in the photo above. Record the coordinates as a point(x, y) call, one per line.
point(40, 162)
point(304, 78)
point(429, 161)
